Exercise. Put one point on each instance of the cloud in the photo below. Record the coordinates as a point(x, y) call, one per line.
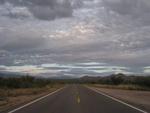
point(43, 10)
point(52, 10)
point(22, 44)
point(99, 37)
point(29, 69)
point(59, 69)
point(9, 10)
point(137, 9)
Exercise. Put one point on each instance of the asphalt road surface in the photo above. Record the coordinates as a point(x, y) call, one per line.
point(76, 99)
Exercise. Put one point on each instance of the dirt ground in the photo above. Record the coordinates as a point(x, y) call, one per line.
point(140, 99)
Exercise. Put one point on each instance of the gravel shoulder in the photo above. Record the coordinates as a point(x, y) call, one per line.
point(140, 99)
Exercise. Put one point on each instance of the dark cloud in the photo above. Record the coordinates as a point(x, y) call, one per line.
point(45, 10)
point(2, 1)
point(50, 13)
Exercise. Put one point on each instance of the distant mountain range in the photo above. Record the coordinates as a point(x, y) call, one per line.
point(67, 77)
point(60, 77)
point(63, 77)
point(10, 74)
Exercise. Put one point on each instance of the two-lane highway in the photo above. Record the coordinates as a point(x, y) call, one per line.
point(76, 99)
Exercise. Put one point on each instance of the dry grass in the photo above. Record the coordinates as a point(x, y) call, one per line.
point(13, 97)
point(20, 92)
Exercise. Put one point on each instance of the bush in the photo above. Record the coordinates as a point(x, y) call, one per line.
point(117, 79)
point(23, 82)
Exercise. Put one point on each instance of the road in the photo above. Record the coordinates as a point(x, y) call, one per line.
point(76, 99)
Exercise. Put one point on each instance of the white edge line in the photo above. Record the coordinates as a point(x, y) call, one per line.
point(35, 101)
point(115, 99)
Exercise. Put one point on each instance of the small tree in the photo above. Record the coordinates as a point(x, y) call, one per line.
point(117, 79)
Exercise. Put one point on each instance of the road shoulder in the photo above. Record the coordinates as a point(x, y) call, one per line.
point(119, 99)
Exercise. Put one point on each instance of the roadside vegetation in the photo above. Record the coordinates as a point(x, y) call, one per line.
point(121, 81)
point(18, 90)
point(112, 81)
point(23, 82)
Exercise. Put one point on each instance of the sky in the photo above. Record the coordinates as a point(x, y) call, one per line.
point(75, 37)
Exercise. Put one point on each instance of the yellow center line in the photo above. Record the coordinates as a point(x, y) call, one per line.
point(78, 99)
